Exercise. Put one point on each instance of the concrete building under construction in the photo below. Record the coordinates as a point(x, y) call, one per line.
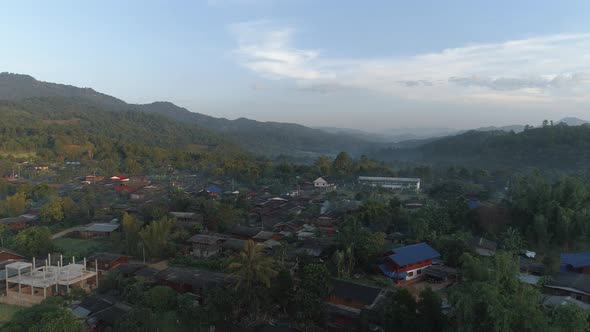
point(32, 284)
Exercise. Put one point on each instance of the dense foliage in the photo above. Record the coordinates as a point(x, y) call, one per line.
point(552, 147)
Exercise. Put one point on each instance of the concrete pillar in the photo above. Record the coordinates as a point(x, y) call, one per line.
point(96, 270)
point(44, 292)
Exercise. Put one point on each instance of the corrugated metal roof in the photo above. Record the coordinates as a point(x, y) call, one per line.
point(390, 179)
point(578, 259)
point(106, 228)
point(413, 254)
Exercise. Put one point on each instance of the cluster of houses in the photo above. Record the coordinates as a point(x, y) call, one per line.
point(303, 218)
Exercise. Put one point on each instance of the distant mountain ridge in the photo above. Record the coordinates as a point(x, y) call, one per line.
point(571, 121)
point(268, 138)
point(558, 147)
point(18, 86)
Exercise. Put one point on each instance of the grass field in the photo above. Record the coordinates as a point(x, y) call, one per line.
point(6, 312)
point(25, 154)
point(80, 247)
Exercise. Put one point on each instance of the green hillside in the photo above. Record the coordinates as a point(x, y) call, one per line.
point(558, 147)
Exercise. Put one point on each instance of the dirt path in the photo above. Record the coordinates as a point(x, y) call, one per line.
point(68, 231)
point(161, 265)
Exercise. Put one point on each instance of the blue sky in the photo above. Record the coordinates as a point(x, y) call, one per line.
point(369, 64)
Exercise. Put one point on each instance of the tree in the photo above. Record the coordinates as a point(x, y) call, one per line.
point(69, 207)
point(400, 312)
point(34, 241)
point(430, 316)
point(3, 234)
point(252, 267)
point(282, 289)
point(323, 166)
point(44, 317)
point(131, 228)
point(343, 164)
point(493, 299)
point(155, 236)
point(161, 298)
point(315, 286)
point(511, 240)
point(52, 211)
point(16, 204)
point(569, 317)
point(139, 319)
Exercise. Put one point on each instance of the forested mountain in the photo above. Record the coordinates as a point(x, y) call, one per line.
point(268, 138)
point(557, 147)
point(16, 86)
point(58, 129)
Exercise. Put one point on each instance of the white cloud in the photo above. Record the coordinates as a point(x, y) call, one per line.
point(545, 68)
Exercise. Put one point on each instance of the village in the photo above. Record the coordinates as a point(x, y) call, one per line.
point(309, 224)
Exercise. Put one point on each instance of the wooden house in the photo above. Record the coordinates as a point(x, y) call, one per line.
point(205, 245)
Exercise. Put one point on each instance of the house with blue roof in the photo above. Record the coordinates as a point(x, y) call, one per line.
point(408, 263)
point(578, 262)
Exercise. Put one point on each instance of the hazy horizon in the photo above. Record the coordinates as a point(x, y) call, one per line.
point(399, 65)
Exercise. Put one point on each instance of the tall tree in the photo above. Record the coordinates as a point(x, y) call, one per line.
point(343, 164)
point(400, 312)
point(155, 236)
point(34, 241)
point(16, 204)
point(430, 315)
point(313, 289)
point(251, 267)
point(131, 228)
point(323, 166)
point(52, 211)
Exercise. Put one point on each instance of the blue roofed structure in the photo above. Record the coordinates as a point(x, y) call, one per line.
point(413, 254)
point(576, 262)
point(473, 204)
point(409, 262)
point(214, 190)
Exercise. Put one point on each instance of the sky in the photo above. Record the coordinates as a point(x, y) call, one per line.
point(369, 65)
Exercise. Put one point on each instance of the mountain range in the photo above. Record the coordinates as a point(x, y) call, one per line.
point(263, 138)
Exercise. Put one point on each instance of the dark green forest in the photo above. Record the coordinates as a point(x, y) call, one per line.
point(550, 147)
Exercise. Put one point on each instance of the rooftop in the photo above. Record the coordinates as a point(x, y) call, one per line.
point(204, 239)
point(576, 260)
point(354, 291)
point(101, 228)
point(105, 256)
point(413, 254)
point(574, 281)
point(194, 277)
point(391, 179)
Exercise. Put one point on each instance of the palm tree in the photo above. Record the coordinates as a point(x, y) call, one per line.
point(252, 267)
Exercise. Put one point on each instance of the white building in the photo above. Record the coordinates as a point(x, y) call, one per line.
point(30, 284)
point(391, 183)
point(321, 183)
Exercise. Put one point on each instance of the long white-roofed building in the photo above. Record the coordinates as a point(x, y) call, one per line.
point(391, 182)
